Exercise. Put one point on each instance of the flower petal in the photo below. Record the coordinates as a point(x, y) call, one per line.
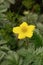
point(29, 34)
point(16, 29)
point(31, 28)
point(21, 36)
point(30, 31)
point(23, 24)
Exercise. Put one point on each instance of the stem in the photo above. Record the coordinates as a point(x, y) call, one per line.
point(26, 43)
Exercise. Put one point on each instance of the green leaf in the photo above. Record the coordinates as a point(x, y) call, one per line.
point(28, 3)
point(3, 42)
point(12, 1)
point(37, 39)
point(4, 6)
point(40, 27)
point(1, 1)
point(11, 59)
point(2, 54)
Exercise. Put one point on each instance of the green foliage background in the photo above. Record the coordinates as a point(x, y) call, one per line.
point(12, 50)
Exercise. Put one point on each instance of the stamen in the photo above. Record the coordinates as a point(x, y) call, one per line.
point(24, 29)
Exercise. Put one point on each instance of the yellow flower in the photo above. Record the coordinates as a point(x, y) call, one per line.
point(24, 30)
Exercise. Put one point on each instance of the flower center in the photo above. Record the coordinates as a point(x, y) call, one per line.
point(24, 29)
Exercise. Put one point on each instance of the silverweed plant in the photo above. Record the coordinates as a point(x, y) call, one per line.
point(21, 32)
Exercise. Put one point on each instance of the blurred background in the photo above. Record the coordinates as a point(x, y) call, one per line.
point(12, 50)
